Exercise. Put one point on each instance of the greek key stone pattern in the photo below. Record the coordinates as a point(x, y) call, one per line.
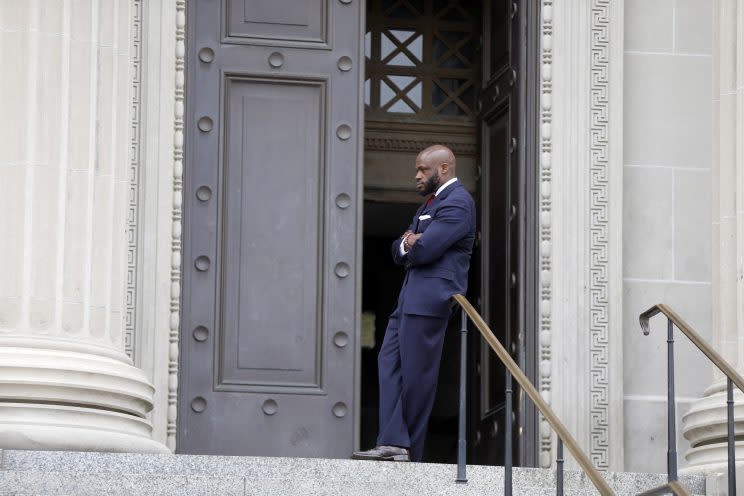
point(176, 242)
point(546, 242)
point(599, 235)
point(130, 315)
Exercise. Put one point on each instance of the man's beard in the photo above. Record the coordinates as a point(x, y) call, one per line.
point(430, 186)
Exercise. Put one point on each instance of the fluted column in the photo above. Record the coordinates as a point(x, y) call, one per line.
point(705, 423)
point(65, 382)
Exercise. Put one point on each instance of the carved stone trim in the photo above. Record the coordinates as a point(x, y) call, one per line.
point(599, 281)
point(412, 144)
point(133, 225)
point(175, 301)
point(546, 238)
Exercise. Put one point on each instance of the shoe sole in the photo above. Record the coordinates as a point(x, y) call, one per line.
point(394, 458)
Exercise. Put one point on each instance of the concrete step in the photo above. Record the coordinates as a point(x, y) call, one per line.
point(53, 473)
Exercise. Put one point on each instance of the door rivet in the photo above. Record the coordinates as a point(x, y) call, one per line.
point(341, 339)
point(342, 269)
point(202, 263)
point(204, 193)
point(343, 200)
point(339, 409)
point(198, 404)
point(200, 333)
point(206, 54)
point(276, 59)
point(270, 407)
point(343, 131)
point(205, 124)
point(344, 63)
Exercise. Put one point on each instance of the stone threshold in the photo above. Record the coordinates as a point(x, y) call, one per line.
point(84, 473)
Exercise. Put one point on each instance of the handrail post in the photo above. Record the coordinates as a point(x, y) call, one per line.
point(533, 394)
point(732, 375)
point(508, 428)
point(671, 410)
point(730, 428)
point(461, 443)
point(559, 469)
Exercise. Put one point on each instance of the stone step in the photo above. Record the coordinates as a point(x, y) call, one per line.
point(48, 472)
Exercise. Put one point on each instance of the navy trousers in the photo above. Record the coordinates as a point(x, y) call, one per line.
point(408, 366)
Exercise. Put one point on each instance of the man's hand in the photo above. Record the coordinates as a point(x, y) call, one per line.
point(411, 240)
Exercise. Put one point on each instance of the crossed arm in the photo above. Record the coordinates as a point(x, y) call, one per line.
point(448, 227)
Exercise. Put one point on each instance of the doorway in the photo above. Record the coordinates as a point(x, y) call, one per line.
point(459, 73)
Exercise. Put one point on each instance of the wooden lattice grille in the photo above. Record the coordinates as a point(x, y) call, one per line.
point(422, 60)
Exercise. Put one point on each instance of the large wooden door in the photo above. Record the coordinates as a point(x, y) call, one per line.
point(508, 228)
point(271, 231)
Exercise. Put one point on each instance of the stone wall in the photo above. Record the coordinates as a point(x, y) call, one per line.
point(666, 212)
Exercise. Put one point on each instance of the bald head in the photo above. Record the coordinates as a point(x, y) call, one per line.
point(434, 166)
point(439, 154)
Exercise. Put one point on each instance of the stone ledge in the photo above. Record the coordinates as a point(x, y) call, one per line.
point(29, 482)
point(283, 476)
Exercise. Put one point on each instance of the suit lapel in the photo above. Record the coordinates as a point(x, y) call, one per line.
point(423, 209)
point(418, 214)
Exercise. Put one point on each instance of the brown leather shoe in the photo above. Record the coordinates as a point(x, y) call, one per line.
point(383, 453)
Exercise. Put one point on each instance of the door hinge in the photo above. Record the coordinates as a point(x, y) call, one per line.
point(514, 8)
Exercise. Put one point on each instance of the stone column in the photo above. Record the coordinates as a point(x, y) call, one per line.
point(65, 95)
point(705, 424)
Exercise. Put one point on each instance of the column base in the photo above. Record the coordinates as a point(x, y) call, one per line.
point(61, 395)
point(712, 459)
point(705, 426)
point(71, 428)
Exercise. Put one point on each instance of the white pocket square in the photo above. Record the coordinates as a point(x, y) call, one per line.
point(424, 217)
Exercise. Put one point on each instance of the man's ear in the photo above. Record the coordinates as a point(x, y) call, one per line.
point(443, 168)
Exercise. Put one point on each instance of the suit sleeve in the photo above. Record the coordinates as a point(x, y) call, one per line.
point(448, 227)
point(397, 257)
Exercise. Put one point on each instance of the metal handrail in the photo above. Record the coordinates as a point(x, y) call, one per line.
point(698, 341)
point(534, 395)
point(732, 377)
point(672, 486)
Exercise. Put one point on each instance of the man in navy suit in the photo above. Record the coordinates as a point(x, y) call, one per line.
point(435, 250)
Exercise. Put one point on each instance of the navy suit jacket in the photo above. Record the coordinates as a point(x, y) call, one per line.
point(437, 264)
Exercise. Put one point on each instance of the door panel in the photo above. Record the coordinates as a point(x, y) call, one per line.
point(499, 53)
point(277, 20)
point(260, 114)
point(270, 287)
point(507, 216)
